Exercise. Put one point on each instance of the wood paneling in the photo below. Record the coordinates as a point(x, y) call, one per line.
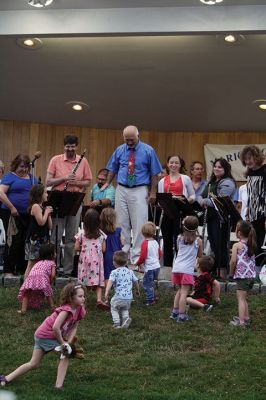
point(26, 137)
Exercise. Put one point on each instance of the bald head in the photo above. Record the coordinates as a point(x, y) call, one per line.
point(131, 136)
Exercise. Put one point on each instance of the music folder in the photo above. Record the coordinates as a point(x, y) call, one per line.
point(64, 203)
point(226, 209)
point(173, 205)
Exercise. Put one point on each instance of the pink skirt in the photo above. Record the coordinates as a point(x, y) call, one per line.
point(182, 279)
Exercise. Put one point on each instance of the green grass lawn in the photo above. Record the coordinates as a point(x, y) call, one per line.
point(156, 358)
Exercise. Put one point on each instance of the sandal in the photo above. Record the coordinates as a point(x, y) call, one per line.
point(21, 312)
point(102, 306)
point(3, 380)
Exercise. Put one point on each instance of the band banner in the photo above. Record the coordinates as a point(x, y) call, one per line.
point(231, 154)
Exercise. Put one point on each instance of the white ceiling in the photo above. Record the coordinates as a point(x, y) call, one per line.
point(6, 5)
point(180, 83)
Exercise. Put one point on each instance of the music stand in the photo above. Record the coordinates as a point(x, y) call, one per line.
point(173, 207)
point(226, 210)
point(198, 211)
point(64, 204)
point(229, 215)
point(167, 203)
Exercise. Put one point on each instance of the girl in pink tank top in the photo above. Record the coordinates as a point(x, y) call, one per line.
point(243, 269)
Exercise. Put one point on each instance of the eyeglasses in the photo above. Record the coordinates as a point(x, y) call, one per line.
point(23, 166)
point(70, 146)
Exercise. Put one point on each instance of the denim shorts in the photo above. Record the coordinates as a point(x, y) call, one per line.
point(45, 345)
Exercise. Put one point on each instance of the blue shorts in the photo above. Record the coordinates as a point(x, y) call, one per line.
point(45, 345)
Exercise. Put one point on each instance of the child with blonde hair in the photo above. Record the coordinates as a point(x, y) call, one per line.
point(114, 239)
point(189, 247)
point(243, 269)
point(150, 254)
point(123, 280)
point(58, 329)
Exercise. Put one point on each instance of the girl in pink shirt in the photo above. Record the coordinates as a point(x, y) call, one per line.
point(57, 329)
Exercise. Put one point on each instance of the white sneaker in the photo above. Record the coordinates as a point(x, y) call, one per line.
point(126, 323)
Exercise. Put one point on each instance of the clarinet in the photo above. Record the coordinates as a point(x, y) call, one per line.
point(74, 170)
point(205, 221)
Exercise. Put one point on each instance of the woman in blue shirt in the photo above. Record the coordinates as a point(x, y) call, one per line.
point(14, 195)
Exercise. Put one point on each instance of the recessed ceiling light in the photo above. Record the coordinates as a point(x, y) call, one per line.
point(40, 3)
point(79, 106)
point(261, 104)
point(230, 38)
point(30, 43)
point(211, 2)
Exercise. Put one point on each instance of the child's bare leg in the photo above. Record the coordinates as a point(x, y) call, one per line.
point(194, 303)
point(183, 298)
point(29, 268)
point(24, 305)
point(50, 301)
point(99, 294)
point(36, 358)
point(216, 290)
point(61, 372)
point(246, 312)
point(242, 304)
point(176, 299)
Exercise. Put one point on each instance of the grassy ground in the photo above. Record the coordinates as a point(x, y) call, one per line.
point(155, 358)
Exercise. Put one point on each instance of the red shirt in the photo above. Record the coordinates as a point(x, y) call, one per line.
point(175, 188)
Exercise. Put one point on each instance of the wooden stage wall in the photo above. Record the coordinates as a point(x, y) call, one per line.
point(25, 137)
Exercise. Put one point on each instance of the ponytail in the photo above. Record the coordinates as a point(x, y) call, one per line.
point(252, 242)
point(248, 232)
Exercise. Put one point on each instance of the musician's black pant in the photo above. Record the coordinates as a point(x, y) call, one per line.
point(14, 256)
point(170, 230)
point(259, 226)
point(218, 238)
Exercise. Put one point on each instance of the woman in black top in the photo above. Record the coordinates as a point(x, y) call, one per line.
point(221, 183)
point(253, 158)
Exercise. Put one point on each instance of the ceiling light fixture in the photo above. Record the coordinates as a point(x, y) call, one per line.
point(40, 3)
point(30, 43)
point(261, 104)
point(78, 106)
point(211, 2)
point(230, 38)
